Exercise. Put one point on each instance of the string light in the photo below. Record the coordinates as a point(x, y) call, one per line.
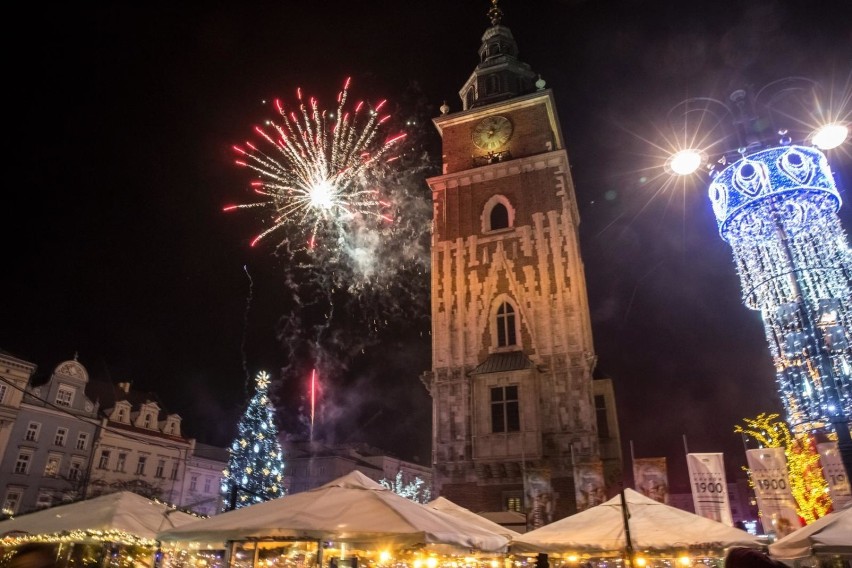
point(807, 482)
point(777, 208)
point(255, 465)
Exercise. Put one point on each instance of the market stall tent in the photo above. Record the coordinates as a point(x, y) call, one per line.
point(446, 506)
point(122, 512)
point(831, 534)
point(654, 527)
point(352, 508)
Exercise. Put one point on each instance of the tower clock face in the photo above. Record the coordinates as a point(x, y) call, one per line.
point(492, 132)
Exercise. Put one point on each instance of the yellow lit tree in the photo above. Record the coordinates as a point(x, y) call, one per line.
point(807, 482)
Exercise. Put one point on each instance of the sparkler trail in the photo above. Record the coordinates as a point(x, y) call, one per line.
point(316, 173)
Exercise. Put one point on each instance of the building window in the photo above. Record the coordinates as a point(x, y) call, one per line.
point(33, 430)
point(45, 500)
point(82, 441)
point(140, 465)
point(103, 462)
point(505, 416)
point(514, 504)
point(506, 325)
point(122, 462)
point(147, 422)
point(22, 464)
point(207, 482)
point(12, 501)
point(497, 214)
point(499, 217)
point(3, 389)
point(75, 471)
point(174, 471)
point(161, 466)
point(64, 396)
point(122, 414)
point(193, 482)
point(61, 435)
point(53, 465)
point(601, 416)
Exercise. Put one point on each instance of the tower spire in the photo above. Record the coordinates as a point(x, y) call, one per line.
point(495, 14)
point(500, 75)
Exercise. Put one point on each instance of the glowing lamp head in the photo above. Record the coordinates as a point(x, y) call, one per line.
point(384, 556)
point(321, 195)
point(684, 560)
point(641, 562)
point(684, 162)
point(830, 136)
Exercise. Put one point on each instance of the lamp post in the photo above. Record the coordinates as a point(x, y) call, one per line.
point(776, 201)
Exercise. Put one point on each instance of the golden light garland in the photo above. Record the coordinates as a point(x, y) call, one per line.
point(807, 482)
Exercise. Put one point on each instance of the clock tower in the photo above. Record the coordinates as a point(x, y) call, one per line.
point(513, 402)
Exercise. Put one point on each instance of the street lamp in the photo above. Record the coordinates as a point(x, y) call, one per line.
point(776, 201)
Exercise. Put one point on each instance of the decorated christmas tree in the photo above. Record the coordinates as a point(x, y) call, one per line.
point(256, 462)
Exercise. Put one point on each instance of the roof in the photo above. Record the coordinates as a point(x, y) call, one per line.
point(352, 508)
point(653, 526)
point(831, 534)
point(123, 511)
point(502, 362)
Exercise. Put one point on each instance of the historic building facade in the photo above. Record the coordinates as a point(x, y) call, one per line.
point(71, 438)
point(47, 456)
point(512, 355)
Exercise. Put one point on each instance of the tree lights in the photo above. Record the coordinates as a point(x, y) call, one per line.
point(256, 463)
point(776, 205)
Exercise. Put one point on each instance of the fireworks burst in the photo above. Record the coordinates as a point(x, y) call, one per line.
point(317, 173)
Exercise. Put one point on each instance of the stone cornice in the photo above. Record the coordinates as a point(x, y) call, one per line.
point(499, 170)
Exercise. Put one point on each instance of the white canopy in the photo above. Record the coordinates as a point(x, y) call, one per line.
point(123, 511)
point(352, 508)
point(654, 526)
point(447, 506)
point(832, 534)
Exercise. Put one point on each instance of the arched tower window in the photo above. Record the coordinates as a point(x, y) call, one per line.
point(506, 325)
point(499, 217)
point(497, 214)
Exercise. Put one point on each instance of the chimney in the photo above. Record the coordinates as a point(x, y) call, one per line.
point(124, 387)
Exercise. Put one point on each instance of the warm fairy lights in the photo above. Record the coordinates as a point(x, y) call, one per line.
point(807, 482)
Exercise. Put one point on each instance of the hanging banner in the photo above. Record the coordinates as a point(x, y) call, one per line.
point(835, 475)
point(540, 501)
point(589, 485)
point(709, 488)
point(651, 479)
point(768, 468)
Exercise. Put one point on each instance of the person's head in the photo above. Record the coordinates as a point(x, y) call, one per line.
point(750, 558)
point(34, 555)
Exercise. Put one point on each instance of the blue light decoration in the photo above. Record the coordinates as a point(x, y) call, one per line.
point(256, 462)
point(777, 209)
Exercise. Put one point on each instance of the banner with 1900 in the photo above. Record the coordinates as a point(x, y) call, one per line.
point(768, 467)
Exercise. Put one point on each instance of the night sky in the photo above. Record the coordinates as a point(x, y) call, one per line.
point(117, 249)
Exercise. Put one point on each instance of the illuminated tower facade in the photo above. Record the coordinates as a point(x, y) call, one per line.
point(777, 208)
point(512, 355)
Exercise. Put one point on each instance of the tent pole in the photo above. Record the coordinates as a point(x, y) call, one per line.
point(625, 514)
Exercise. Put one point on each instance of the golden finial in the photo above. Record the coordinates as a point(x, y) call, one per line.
point(495, 13)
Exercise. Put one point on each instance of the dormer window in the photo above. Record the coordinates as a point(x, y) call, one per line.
point(122, 414)
point(146, 422)
point(65, 396)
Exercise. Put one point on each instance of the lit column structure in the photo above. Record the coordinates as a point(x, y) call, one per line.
point(776, 206)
